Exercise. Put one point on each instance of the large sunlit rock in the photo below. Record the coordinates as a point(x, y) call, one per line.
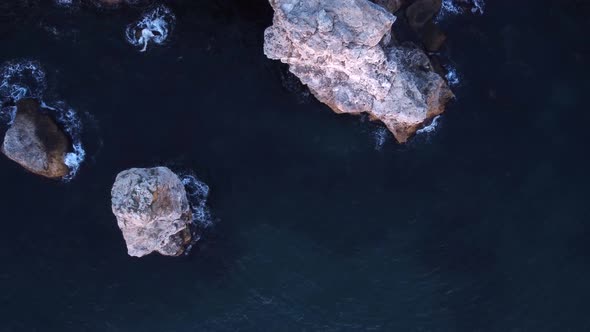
point(334, 47)
point(152, 211)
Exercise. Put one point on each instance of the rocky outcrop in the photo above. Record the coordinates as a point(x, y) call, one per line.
point(335, 47)
point(36, 142)
point(152, 211)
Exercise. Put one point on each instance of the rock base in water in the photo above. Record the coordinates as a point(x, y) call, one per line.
point(152, 211)
point(36, 142)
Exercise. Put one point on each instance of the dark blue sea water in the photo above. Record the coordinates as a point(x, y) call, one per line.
point(482, 225)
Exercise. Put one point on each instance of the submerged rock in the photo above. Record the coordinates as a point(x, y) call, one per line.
point(152, 211)
point(334, 47)
point(36, 142)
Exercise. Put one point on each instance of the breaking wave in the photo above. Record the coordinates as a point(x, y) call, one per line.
point(27, 79)
point(154, 26)
point(452, 76)
point(430, 128)
point(197, 192)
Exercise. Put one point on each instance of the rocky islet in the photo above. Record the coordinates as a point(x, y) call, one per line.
point(342, 51)
point(152, 211)
point(35, 141)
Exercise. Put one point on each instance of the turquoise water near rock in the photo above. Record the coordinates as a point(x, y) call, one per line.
point(324, 223)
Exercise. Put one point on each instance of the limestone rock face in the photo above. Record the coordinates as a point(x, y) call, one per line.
point(334, 47)
point(36, 142)
point(152, 211)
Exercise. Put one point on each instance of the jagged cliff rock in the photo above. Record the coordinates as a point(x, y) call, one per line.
point(334, 47)
point(36, 142)
point(152, 211)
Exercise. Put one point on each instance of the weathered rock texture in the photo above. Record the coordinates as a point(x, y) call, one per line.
point(36, 142)
point(152, 211)
point(334, 47)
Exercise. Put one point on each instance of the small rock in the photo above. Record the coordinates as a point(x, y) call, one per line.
point(153, 211)
point(36, 142)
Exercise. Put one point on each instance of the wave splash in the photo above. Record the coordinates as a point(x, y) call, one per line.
point(154, 26)
point(24, 79)
point(70, 120)
point(431, 127)
point(455, 7)
point(452, 76)
point(197, 192)
point(27, 79)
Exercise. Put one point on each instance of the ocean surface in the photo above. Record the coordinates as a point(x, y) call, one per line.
point(322, 221)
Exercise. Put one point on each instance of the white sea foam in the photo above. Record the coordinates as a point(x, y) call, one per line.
point(478, 6)
point(452, 76)
point(64, 3)
point(197, 192)
point(74, 159)
point(453, 8)
point(21, 79)
point(70, 120)
point(154, 26)
point(430, 128)
point(449, 7)
point(380, 136)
